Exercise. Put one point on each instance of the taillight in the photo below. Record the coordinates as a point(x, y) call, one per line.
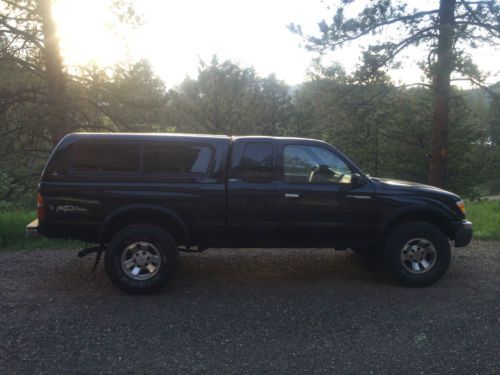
point(40, 207)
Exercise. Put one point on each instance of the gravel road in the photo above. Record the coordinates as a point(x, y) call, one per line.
point(250, 311)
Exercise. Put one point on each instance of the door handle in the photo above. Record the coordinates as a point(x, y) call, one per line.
point(289, 196)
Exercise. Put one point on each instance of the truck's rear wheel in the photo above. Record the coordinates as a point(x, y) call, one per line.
point(416, 254)
point(141, 258)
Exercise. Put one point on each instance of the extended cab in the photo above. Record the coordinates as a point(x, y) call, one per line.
point(143, 197)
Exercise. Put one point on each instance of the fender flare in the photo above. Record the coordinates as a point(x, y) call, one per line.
point(167, 213)
point(414, 209)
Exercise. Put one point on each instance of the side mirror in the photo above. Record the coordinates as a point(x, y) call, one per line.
point(357, 180)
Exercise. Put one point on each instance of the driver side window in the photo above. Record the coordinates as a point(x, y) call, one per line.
point(312, 164)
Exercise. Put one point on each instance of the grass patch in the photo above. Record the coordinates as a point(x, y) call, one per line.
point(12, 226)
point(485, 215)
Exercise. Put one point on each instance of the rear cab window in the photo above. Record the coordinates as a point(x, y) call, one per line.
point(169, 159)
point(177, 159)
point(106, 157)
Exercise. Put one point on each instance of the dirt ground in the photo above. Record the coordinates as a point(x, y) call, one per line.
point(250, 311)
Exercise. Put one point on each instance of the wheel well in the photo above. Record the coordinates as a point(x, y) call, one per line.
point(147, 216)
point(430, 217)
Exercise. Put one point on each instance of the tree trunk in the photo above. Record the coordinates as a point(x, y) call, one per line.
point(442, 73)
point(376, 148)
point(56, 83)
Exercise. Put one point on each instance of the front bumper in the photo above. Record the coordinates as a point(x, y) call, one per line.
point(463, 233)
point(32, 229)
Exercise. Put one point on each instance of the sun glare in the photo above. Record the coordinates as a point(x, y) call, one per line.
point(87, 33)
point(175, 34)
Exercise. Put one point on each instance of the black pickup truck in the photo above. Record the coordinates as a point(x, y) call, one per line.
point(143, 197)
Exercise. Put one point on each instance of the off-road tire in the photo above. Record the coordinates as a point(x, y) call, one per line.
point(148, 233)
point(401, 235)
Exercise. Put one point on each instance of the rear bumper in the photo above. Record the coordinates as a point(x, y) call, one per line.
point(463, 233)
point(32, 229)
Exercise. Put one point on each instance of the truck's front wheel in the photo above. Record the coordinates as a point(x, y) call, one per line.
point(416, 254)
point(141, 258)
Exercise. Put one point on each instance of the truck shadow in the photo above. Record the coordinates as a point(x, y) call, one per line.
point(274, 267)
point(241, 269)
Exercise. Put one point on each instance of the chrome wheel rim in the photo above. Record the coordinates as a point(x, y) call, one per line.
point(418, 255)
point(141, 260)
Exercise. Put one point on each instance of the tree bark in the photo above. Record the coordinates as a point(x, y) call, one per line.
point(443, 69)
point(55, 79)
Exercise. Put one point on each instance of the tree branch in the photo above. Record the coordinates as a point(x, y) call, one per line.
point(480, 85)
point(25, 64)
point(346, 38)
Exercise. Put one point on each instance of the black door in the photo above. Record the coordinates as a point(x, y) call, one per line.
point(252, 206)
point(318, 204)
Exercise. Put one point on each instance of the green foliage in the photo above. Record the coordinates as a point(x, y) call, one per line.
point(12, 226)
point(228, 99)
point(136, 98)
point(485, 215)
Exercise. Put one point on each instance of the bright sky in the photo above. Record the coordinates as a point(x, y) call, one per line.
point(175, 33)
